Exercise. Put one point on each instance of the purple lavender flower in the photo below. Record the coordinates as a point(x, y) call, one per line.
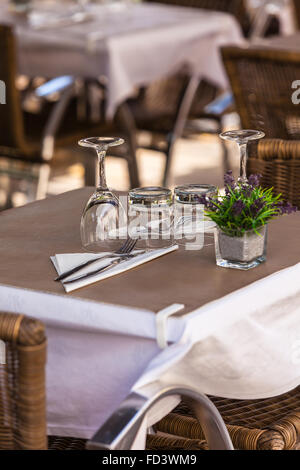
point(257, 206)
point(229, 182)
point(286, 208)
point(238, 207)
point(207, 202)
point(203, 200)
point(211, 204)
point(247, 190)
point(254, 180)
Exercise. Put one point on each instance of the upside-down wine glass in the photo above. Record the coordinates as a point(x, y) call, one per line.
point(242, 137)
point(103, 217)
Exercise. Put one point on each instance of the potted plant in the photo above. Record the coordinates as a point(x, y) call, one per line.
point(241, 216)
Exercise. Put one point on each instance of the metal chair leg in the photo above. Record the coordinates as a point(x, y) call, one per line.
point(127, 122)
point(89, 162)
point(168, 162)
point(226, 166)
point(43, 180)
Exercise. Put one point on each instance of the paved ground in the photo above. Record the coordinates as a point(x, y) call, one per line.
point(195, 161)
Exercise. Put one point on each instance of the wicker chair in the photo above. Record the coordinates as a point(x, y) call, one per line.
point(32, 138)
point(161, 109)
point(269, 424)
point(258, 424)
point(261, 81)
point(278, 161)
point(297, 11)
point(22, 387)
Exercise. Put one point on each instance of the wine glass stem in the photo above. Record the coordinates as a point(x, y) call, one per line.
point(102, 178)
point(243, 162)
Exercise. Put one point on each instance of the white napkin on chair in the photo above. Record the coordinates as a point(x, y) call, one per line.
point(67, 261)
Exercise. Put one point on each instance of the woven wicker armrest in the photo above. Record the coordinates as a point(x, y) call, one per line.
point(22, 383)
point(269, 424)
point(278, 161)
point(276, 149)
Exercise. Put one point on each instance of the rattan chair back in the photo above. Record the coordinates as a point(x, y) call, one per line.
point(261, 81)
point(12, 139)
point(297, 12)
point(22, 383)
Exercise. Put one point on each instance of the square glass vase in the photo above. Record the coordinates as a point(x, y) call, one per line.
point(244, 252)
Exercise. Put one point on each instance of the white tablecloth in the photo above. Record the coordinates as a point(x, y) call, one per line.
point(134, 46)
point(245, 345)
point(96, 352)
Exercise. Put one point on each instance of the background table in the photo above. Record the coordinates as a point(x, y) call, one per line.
point(289, 43)
point(102, 337)
point(134, 46)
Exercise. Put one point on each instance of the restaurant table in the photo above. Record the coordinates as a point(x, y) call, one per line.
point(131, 46)
point(290, 43)
point(102, 337)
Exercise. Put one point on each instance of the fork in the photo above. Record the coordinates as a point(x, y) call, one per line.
point(125, 249)
point(110, 265)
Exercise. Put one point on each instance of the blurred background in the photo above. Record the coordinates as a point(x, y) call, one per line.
point(75, 69)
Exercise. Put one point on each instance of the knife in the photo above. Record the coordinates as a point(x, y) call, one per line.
point(103, 268)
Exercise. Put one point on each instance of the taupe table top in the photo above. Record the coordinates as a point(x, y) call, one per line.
point(31, 234)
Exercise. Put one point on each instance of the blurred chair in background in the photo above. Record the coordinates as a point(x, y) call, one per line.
point(167, 108)
point(28, 141)
point(297, 12)
point(261, 81)
point(201, 118)
point(162, 109)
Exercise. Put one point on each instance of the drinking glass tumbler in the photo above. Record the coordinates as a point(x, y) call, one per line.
point(191, 228)
point(150, 217)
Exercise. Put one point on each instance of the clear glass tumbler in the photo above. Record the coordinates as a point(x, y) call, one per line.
point(191, 228)
point(150, 216)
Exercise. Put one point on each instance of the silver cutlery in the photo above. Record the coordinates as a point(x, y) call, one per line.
point(104, 268)
point(125, 250)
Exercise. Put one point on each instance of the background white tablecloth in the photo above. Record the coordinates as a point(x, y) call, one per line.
point(134, 47)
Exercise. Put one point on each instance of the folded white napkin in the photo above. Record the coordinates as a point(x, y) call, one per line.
point(67, 261)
